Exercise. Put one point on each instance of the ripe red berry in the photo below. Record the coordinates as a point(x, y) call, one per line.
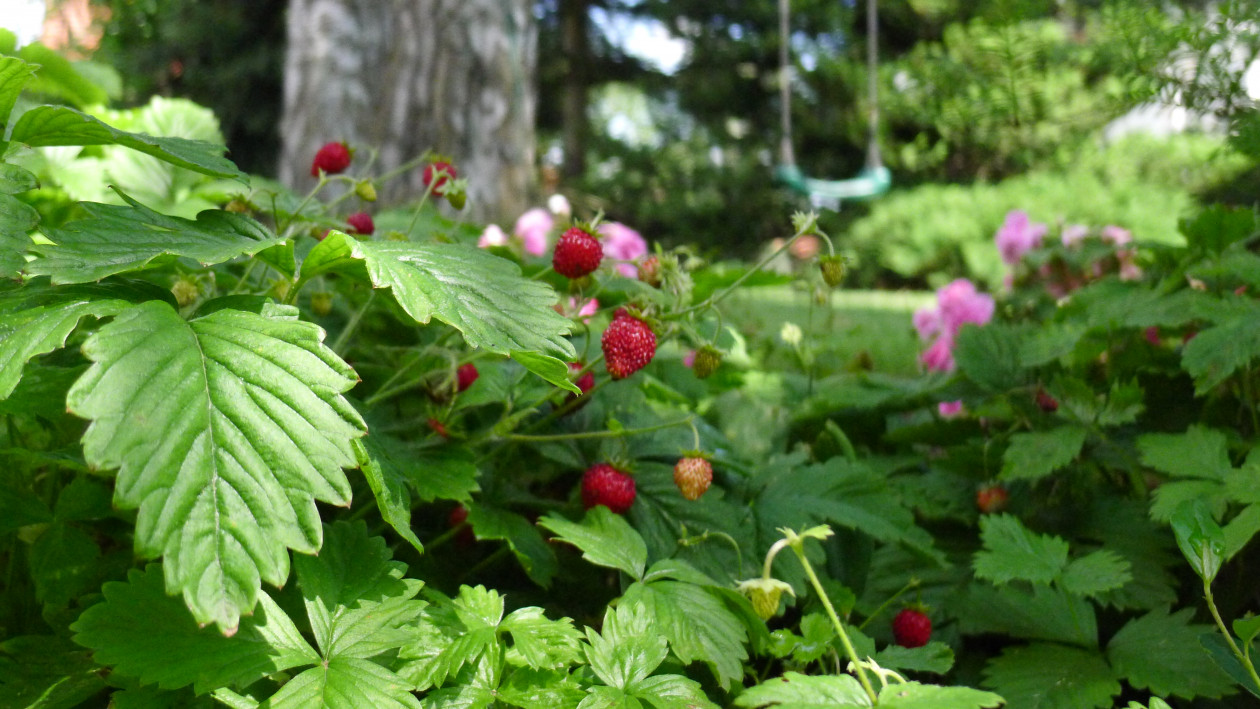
point(361, 223)
point(1047, 403)
point(991, 498)
point(466, 375)
point(693, 477)
point(586, 382)
point(628, 345)
point(604, 485)
point(912, 628)
point(332, 159)
point(577, 254)
point(432, 171)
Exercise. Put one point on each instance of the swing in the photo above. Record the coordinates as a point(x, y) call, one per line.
point(874, 179)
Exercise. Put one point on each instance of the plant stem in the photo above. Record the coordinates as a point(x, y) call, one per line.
point(799, 548)
point(1244, 658)
point(594, 434)
point(343, 339)
point(717, 297)
point(914, 583)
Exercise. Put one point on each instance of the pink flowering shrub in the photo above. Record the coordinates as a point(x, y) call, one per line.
point(956, 305)
point(623, 244)
point(533, 228)
point(1018, 235)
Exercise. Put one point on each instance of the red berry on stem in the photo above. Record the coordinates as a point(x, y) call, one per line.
point(577, 254)
point(693, 477)
point(466, 375)
point(438, 427)
point(991, 498)
point(912, 628)
point(628, 345)
point(1047, 403)
point(433, 171)
point(361, 223)
point(332, 159)
point(604, 485)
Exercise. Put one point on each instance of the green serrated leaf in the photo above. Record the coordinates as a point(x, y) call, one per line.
point(1216, 227)
point(480, 294)
point(1052, 677)
point(540, 642)
point(699, 626)
point(1246, 629)
point(628, 649)
point(604, 537)
point(14, 74)
point(388, 487)
point(1011, 551)
point(27, 333)
point(1160, 652)
point(1223, 655)
point(1200, 538)
point(46, 672)
point(117, 239)
point(672, 692)
point(990, 356)
point(524, 539)
point(1217, 352)
point(1050, 342)
point(935, 657)
point(145, 634)
point(356, 598)
point(1042, 613)
point(253, 429)
point(1200, 452)
point(797, 691)
point(540, 689)
point(913, 695)
point(1095, 573)
point(16, 220)
point(1032, 456)
point(345, 682)
point(59, 125)
point(16, 180)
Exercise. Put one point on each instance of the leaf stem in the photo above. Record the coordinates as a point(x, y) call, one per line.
point(1244, 658)
point(913, 583)
point(594, 434)
point(343, 338)
point(718, 296)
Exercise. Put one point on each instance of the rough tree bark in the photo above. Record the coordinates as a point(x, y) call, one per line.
point(455, 76)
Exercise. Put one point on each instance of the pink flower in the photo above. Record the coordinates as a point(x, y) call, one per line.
point(624, 244)
point(1074, 234)
point(689, 359)
point(1017, 236)
point(927, 321)
point(532, 228)
point(950, 409)
point(1129, 270)
point(959, 304)
point(940, 356)
point(1116, 235)
point(492, 236)
point(586, 311)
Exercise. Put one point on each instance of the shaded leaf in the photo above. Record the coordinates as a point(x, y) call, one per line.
point(388, 487)
point(1052, 677)
point(1011, 551)
point(29, 332)
point(935, 657)
point(526, 542)
point(697, 623)
point(604, 537)
point(14, 73)
point(1217, 352)
point(1095, 573)
point(46, 672)
point(1032, 456)
point(1160, 652)
point(913, 695)
point(1200, 452)
point(990, 355)
point(797, 691)
point(1042, 613)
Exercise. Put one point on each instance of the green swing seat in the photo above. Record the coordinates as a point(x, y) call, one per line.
point(868, 183)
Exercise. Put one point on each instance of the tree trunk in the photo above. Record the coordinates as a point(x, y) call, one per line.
point(406, 76)
point(575, 43)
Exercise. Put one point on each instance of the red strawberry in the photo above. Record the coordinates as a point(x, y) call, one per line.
point(431, 172)
point(693, 476)
point(361, 223)
point(991, 498)
point(604, 485)
point(577, 254)
point(1047, 403)
point(912, 628)
point(586, 382)
point(438, 427)
point(466, 375)
point(650, 271)
point(628, 344)
point(332, 159)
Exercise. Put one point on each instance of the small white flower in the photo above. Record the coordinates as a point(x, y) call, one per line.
point(559, 205)
point(791, 333)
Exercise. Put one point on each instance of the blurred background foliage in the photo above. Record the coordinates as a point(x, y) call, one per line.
point(986, 106)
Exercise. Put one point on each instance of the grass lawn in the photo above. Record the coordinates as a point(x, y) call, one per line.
point(877, 323)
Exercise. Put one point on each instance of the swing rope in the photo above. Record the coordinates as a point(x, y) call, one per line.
point(874, 179)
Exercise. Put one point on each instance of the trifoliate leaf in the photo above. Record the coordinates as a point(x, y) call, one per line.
point(1095, 573)
point(699, 626)
point(526, 542)
point(913, 695)
point(456, 633)
point(345, 682)
point(225, 430)
point(605, 538)
point(1012, 551)
point(540, 642)
point(1160, 652)
point(628, 649)
point(480, 294)
point(1052, 677)
point(356, 598)
point(145, 634)
point(47, 672)
point(388, 487)
point(797, 691)
point(116, 239)
point(1032, 456)
point(59, 125)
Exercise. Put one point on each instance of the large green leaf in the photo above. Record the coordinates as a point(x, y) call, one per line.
point(699, 625)
point(628, 649)
point(345, 682)
point(146, 634)
point(1042, 613)
point(604, 537)
point(1011, 551)
point(14, 73)
point(540, 642)
point(1044, 676)
point(46, 672)
point(37, 330)
point(226, 429)
point(990, 356)
point(388, 487)
point(1034, 455)
point(59, 125)
point(16, 218)
point(480, 294)
point(1161, 652)
point(117, 239)
point(1218, 352)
